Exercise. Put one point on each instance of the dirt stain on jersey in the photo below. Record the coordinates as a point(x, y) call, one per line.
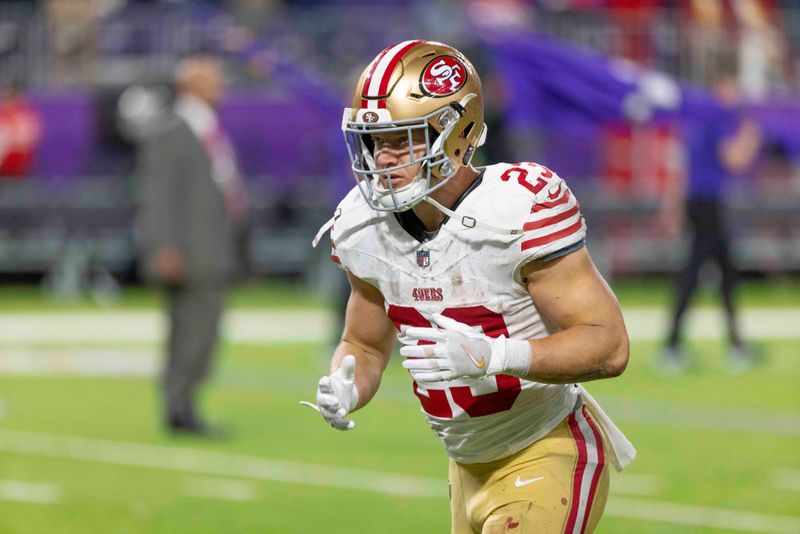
point(394, 285)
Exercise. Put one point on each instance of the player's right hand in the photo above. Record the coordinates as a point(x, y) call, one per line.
point(337, 395)
point(169, 264)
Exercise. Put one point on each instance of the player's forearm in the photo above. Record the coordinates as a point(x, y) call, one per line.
point(370, 365)
point(578, 354)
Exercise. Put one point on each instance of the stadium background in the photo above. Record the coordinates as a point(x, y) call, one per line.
point(595, 89)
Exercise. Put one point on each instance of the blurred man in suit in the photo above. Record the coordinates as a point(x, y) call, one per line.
point(192, 209)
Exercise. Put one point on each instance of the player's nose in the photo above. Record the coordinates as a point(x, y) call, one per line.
point(386, 158)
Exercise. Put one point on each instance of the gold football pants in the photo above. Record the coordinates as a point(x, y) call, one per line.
point(558, 484)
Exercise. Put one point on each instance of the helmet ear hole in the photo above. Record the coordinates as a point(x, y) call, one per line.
point(467, 130)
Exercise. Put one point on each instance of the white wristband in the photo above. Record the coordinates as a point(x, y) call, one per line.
point(510, 356)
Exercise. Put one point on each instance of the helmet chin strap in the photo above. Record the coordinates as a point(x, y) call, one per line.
point(471, 222)
point(389, 198)
point(393, 197)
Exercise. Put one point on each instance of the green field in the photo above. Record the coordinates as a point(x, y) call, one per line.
point(79, 453)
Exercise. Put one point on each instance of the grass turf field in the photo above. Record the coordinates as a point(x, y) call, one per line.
point(82, 453)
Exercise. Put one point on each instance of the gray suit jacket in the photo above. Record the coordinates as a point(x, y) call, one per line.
point(180, 204)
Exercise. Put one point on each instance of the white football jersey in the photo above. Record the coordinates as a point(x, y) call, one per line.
point(473, 275)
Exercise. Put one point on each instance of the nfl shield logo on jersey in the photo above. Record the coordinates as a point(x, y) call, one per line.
point(423, 257)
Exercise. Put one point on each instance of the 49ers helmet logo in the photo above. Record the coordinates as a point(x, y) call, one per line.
point(443, 76)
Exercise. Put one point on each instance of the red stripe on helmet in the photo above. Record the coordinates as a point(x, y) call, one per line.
point(387, 75)
point(372, 68)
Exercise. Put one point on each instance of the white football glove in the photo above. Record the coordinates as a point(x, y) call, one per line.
point(460, 352)
point(337, 395)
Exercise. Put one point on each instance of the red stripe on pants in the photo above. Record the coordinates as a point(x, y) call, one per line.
point(577, 477)
point(601, 461)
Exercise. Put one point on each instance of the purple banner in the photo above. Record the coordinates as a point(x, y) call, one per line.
point(69, 132)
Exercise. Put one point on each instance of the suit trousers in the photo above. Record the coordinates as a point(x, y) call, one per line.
point(194, 318)
point(710, 242)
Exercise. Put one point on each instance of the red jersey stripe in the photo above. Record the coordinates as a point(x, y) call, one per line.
point(335, 259)
point(552, 204)
point(547, 221)
point(530, 243)
point(563, 199)
point(577, 476)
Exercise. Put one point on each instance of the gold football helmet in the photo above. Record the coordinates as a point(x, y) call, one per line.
point(415, 86)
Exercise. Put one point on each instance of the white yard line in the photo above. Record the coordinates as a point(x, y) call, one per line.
point(218, 464)
point(291, 326)
point(149, 326)
point(221, 488)
point(83, 361)
point(786, 479)
point(652, 324)
point(737, 420)
point(29, 492)
point(635, 484)
point(701, 516)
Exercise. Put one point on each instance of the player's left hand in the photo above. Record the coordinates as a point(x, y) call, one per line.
point(459, 351)
point(337, 395)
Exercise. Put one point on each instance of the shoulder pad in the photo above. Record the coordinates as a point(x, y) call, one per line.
point(352, 213)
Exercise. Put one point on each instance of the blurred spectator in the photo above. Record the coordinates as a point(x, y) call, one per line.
point(719, 146)
point(505, 14)
point(708, 39)
point(193, 208)
point(72, 34)
point(632, 23)
point(721, 31)
point(761, 50)
point(20, 131)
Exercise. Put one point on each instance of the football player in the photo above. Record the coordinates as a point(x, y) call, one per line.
point(483, 275)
